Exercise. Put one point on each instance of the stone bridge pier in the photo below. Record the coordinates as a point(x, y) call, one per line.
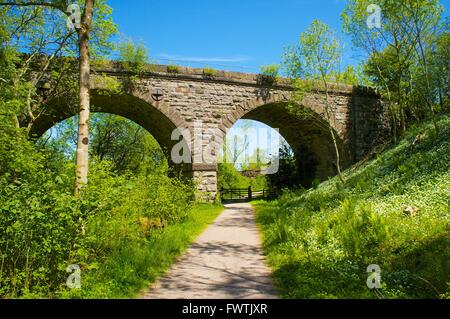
point(189, 114)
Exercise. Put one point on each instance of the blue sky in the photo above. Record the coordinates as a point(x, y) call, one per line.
point(238, 35)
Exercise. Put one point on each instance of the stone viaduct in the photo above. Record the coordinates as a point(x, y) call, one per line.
point(163, 102)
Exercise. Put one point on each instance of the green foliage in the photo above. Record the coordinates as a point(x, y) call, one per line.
point(13, 93)
point(124, 144)
point(208, 72)
point(134, 56)
point(173, 69)
point(403, 55)
point(135, 264)
point(315, 56)
point(269, 73)
point(320, 242)
point(271, 70)
point(229, 177)
point(44, 228)
point(350, 76)
point(234, 155)
point(289, 174)
point(109, 85)
point(312, 62)
point(103, 30)
point(128, 146)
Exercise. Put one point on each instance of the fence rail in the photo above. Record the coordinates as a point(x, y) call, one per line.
point(246, 194)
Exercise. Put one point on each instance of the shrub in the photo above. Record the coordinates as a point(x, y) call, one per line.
point(320, 241)
point(271, 70)
point(208, 72)
point(173, 69)
point(133, 55)
point(229, 177)
point(44, 228)
point(269, 74)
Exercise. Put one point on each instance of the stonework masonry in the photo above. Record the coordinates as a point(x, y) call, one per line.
point(188, 97)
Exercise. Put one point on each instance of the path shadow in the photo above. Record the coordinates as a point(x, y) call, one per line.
point(234, 201)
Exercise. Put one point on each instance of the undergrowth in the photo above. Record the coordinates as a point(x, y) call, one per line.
point(392, 211)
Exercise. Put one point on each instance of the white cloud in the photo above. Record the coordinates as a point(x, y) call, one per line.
point(175, 57)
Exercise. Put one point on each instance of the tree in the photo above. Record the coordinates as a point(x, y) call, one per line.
point(124, 144)
point(28, 61)
point(419, 19)
point(256, 161)
point(315, 58)
point(350, 76)
point(406, 30)
point(83, 30)
point(288, 175)
point(235, 147)
point(128, 146)
point(439, 61)
point(84, 112)
point(133, 55)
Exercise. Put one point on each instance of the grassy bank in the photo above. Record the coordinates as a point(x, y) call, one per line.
point(392, 211)
point(134, 266)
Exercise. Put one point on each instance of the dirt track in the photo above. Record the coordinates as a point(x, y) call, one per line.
point(226, 261)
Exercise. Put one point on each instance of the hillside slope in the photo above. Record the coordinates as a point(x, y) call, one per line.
point(393, 211)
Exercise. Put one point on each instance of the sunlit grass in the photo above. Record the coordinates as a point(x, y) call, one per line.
point(136, 265)
point(320, 242)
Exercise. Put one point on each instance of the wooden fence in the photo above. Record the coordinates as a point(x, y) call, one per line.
point(246, 194)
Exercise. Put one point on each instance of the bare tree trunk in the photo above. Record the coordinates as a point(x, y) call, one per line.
point(402, 119)
point(16, 121)
point(84, 111)
point(390, 103)
point(333, 136)
point(425, 66)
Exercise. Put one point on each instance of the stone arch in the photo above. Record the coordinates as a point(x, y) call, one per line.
point(309, 137)
point(157, 121)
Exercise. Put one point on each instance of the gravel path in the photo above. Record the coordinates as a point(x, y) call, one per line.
point(226, 261)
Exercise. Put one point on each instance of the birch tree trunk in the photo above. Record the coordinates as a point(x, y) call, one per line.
point(333, 136)
point(84, 111)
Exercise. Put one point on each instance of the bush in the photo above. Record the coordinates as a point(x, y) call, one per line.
point(133, 55)
point(208, 72)
point(230, 177)
point(269, 74)
point(271, 70)
point(173, 69)
point(44, 228)
point(321, 241)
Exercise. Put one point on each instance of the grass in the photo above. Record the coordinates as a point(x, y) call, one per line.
point(320, 242)
point(134, 267)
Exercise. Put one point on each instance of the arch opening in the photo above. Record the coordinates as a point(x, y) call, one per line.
point(128, 106)
point(308, 137)
point(126, 145)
